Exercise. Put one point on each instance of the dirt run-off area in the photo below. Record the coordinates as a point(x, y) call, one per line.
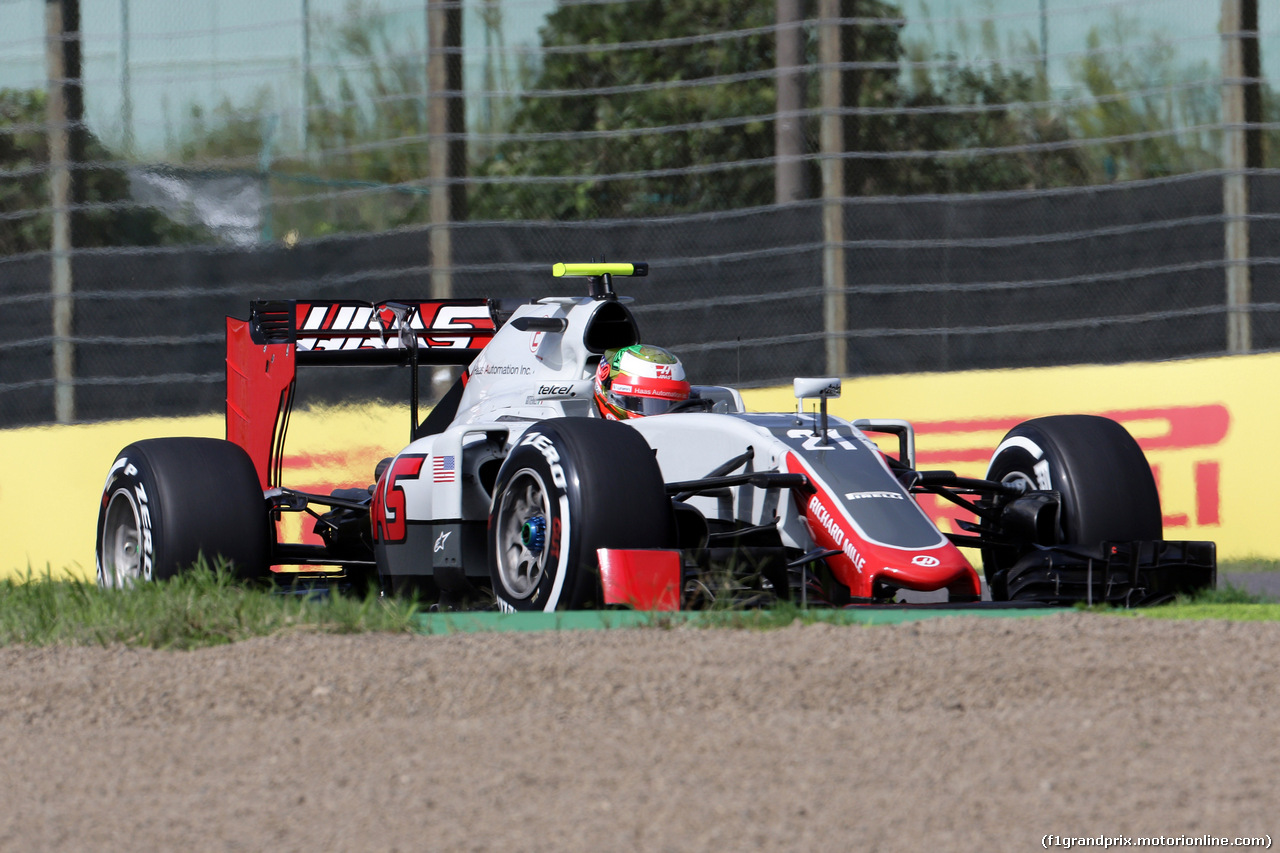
point(947, 734)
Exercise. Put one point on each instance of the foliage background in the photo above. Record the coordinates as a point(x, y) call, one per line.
point(650, 108)
point(1009, 201)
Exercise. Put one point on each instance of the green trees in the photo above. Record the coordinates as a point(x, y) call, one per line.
point(648, 107)
point(366, 130)
point(23, 153)
point(661, 165)
point(356, 160)
point(1155, 114)
point(668, 165)
point(110, 218)
point(931, 124)
point(992, 130)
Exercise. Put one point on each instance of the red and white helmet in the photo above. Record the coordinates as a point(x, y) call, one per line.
point(639, 380)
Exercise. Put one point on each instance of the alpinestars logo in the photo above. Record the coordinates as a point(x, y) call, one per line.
point(330, 326)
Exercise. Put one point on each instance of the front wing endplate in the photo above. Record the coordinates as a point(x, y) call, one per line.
point(1121, 574)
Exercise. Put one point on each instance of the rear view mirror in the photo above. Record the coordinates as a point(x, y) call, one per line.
point(826, 387)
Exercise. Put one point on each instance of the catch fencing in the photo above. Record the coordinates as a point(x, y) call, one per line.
point(1026, 200)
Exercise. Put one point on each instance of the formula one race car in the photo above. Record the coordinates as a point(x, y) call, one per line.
point(572, 466)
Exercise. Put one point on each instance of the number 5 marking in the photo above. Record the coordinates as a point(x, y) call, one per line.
point(389, 504)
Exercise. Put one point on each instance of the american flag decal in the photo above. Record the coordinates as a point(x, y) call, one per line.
point(443, 469)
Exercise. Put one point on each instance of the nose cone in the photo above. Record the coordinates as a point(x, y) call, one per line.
point(943, 568)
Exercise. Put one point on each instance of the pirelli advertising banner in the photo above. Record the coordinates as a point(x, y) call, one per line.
point(1206, 426)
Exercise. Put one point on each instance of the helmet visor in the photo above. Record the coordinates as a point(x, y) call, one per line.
point(643, 406)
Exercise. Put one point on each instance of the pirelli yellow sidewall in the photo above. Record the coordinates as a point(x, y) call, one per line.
point(1205, 424)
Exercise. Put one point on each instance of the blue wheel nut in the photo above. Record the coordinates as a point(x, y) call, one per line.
point(533, 533)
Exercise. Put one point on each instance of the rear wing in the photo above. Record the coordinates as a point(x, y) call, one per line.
point(348, 331)
point(264, 351)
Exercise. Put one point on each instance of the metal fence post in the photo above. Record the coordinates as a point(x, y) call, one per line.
point(64, 112)
point(1241, 111)
point(438, 150)
point(832, 143)
point(447, 154)
point(788, 176)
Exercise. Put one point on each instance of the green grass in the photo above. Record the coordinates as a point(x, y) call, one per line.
point(1227, 602)
point(781, 615)
point(1269, 612)
point(208, 606)
point(204, 607)
point(1247, 566)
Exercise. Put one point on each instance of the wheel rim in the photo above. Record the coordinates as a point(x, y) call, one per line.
point(121, 545)
point(1019, 477)
point(521, 529)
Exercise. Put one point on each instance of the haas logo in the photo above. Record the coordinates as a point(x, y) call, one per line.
point(602, 372)
point(925, 560)
point(664, 371)
point(337, 325)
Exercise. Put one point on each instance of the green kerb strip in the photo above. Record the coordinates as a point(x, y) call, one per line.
point(591, 620)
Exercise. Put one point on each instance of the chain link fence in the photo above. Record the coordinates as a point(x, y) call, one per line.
point(860, 186)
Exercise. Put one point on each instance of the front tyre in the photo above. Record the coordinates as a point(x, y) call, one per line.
point(169, 501)
point(1108, 491)
point(569, 487)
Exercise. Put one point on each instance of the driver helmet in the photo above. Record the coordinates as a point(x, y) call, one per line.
point(637, 381)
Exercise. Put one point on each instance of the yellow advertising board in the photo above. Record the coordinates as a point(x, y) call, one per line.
point(1203, 424)
point(53, 476)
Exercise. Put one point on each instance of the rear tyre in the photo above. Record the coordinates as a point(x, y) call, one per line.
point(1108, 492)
point(169, 501)
point(569, 487)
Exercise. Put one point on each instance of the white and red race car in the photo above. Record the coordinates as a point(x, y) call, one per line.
point(516, 492)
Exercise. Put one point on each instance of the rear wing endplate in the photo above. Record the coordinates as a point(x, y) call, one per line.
point(263, 353)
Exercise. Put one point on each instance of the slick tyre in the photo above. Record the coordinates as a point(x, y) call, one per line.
point(169, 501)
point(569, 487)
point(1108, 492)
